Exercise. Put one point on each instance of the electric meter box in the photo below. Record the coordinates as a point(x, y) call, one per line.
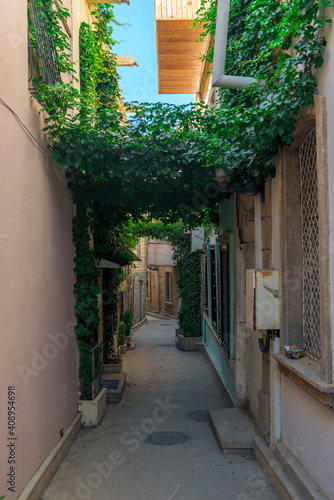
point(262, 299)
point(197, 240)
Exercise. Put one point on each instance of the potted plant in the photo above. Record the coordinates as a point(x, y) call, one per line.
point(128, 321)
point(189, 337)
point(115, 364)
point(121, 333)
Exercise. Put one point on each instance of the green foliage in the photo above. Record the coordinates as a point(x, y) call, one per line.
point(111, 281)
point(128, 321)
point(121, 332)
point(188, 279)
point(280, 44)
point(160, 163)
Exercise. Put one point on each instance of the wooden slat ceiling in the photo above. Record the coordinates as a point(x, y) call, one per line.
point(176, 9)
point(179, 64)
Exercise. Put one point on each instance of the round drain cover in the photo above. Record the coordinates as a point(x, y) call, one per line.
point(199, 415)
point(167, 438)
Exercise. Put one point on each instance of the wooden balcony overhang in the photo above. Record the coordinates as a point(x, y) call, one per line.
point(180, 67)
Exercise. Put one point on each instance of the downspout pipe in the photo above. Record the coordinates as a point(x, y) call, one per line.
point(219, 78)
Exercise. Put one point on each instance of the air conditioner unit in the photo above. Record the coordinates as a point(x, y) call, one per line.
point(197, 240)
point(262, 299)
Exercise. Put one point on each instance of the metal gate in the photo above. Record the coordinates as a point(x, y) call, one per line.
point(310, 245)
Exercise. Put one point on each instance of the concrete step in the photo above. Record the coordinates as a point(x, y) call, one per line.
point(297, 475)
point(234, 430)
point(286, 473)
point(274, 471)
point(115, 385)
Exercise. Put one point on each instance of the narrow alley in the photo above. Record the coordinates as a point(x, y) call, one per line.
point(166, 390)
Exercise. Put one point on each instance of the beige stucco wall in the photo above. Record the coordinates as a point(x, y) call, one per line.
point(37, 345)
point(308, 429)
point(307, 425)
point(325, 88)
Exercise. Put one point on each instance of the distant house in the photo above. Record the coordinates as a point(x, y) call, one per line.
point(162, 296)
point(133, 294)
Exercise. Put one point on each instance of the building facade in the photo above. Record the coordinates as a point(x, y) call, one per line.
point(38, 366)
point(286, 232)
point(162, 296)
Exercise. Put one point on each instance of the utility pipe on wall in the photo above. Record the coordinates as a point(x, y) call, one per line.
point(219, 78)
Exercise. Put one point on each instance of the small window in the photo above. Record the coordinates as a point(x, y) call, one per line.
point(206, 285)
point(168, 287)
point(213, 280)
point(225, 296)
point(148, 285)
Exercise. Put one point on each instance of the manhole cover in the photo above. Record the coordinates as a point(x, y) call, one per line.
point(167, 438)
point(111, 384)
point(199, 415)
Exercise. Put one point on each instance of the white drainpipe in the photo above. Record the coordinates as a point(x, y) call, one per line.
point(219, 79)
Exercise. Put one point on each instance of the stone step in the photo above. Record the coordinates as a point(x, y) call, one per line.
point(234, 430)
point(298, 476)
point(274, 471)
point(115, 385)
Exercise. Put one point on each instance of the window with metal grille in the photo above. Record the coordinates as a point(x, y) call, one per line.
point(213, 281)
point(168, 287)
point(42, 55)
point(310, 245)
point(148, 285)
point(225, 296)
point(206, 285)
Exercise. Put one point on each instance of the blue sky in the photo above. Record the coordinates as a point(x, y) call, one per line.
point(137, 39)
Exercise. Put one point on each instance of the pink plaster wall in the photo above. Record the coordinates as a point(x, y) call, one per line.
point(36, 254)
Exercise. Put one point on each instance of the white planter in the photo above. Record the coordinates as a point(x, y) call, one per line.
point(93, 411)
point(188, 343)
point(113, 368)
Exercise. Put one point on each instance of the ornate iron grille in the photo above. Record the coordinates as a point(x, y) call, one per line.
point(46, 52)
point(109, 313)
point(310, 245)
point(96, 358)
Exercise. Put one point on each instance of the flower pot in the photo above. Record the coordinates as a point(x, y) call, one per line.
point(113, 368)
point(93, 411)
point(188, 343)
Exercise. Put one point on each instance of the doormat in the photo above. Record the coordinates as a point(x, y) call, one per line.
point(111, 384)
point(167, 438)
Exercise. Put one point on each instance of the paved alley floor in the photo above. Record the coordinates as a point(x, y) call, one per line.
point(116, 462)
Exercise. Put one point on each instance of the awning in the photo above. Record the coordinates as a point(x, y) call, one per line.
point(106, 264)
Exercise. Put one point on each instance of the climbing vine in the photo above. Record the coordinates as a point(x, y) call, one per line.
point(280, 44)
point(161, 161)
point(188, 280)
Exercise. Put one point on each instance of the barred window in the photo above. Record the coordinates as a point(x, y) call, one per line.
point(168, 287)
point(42, 55)
point(213, 281)
point(310, 245)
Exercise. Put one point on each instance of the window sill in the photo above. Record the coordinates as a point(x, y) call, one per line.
point(168, 303)
point(306, 374)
